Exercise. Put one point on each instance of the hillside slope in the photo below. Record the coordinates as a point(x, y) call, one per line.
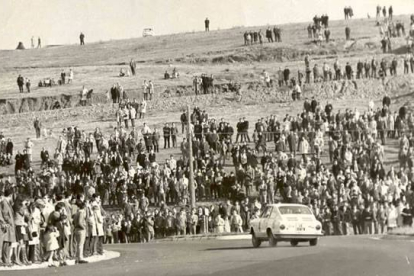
point(221, 53)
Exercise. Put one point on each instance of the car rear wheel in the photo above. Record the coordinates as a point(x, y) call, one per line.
point(313, 242)
point(294, 243)
point(272, 240)
point(255, 241)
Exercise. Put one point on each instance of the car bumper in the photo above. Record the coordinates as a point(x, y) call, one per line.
point(299, 237)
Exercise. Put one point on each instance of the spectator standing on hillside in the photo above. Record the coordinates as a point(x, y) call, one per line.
point(28, 85)
point(384, 11)
point(167, 133)
point(150, 89)
point(143, 109)
point(183, 120)
point(269, 35)
point(38, 126)
point(39, 42)
point(347, 33)
point(197, 85)
point(113, 93)
point(390, 12)
point(20, 83)
point(207, 24)
point(145, 89)
point(63, 76)
point(260, 37)
point(32, 42)
point(82, 39)
point(378, 12)
point(70, 78)
point(83, 96)
point(327, 33)
point(28, 145)
point(174, 132)
point(133, 66)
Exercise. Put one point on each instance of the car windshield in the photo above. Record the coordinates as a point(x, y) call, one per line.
point(294, 210)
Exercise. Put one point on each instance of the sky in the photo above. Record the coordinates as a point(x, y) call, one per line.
point(61, 21)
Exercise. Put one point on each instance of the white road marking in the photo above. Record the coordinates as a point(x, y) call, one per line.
point(408, 261)
point(375, 238)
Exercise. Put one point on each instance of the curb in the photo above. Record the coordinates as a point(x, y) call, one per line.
point(108, 255)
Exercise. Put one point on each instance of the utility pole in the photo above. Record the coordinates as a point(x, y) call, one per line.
point(190, 159)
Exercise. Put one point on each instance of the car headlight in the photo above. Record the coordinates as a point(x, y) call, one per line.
point(282, 227)
point(318, 227)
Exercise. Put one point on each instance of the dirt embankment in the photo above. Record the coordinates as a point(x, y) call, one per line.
point(178, 97)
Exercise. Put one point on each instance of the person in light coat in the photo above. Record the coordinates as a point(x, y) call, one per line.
point(7, 220)
point(303, 146)
point(99, 220)
point(90, 243)
point(143, 109)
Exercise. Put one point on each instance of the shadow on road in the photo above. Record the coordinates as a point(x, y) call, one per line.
point(248, 247)
point(229, 248)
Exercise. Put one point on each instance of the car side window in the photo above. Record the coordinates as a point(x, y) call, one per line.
point(267, 212)
point(273, 215)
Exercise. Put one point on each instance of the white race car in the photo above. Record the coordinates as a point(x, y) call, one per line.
point(285, 222)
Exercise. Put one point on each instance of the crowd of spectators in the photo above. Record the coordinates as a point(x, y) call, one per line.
point(331, 161)
point(6, 150)
point(314, 72)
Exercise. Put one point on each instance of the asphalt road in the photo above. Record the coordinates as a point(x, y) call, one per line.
point(333, 256)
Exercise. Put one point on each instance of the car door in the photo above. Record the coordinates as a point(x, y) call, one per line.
point(264, 220)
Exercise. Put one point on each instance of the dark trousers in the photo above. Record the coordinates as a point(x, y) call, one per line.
point(357, 227)
point(6, 252)
point(174, 140)
point(166, 141)
point(99, 245)
point(237, 137)
point(156, 146)
point(245, 135)
point(21, 89)
point(37, 132)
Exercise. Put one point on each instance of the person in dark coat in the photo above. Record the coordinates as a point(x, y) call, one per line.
point(286, 74)
point(207, 25)
point(133, 66)
point(20, 83)
point(167, 134)
point(114, 94)
point(37, 125)
point(347, 33)
point(386, 101)
point(269, 35)
point(82, 39)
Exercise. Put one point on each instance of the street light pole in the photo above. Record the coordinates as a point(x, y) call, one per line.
point(190, 160)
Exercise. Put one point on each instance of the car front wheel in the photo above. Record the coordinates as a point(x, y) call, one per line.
point(294, 243)
point(272, 240)
point(255, 241)
point(313, 242)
